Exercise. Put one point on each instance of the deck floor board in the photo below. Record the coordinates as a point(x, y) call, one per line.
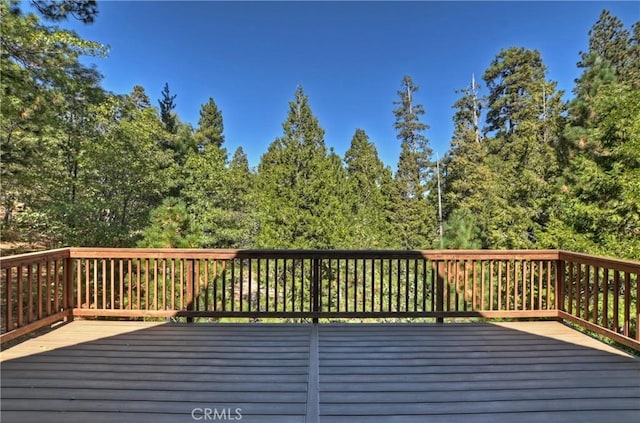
point(162, 372)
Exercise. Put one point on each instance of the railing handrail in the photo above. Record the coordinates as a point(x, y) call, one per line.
point(18, 259)
point(226, 254)
point(620, 264)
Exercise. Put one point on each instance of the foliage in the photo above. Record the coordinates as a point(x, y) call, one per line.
point(460, 232)
point(414, 214)
point(167, 105)
point(41, 80)
point(171, 226)
point(370, 181)
point(57, 10)
point(524, 115)
point(210, 126)
point(299, 186)
point(217, 195)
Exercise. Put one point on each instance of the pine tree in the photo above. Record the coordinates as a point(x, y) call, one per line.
point(241, 182)
point(210, 126)
point(461, 231)
point(597, 209)
point(219, 197)
point(414, 214)
point(609, 42)
point(171, 226)
point(299, 185)
point(464, 164)
point(524, 119)
point(467, 178)
point(46, 93)
point(368, 177)
point(207, 193)
point(58, 10)
point(167, 105)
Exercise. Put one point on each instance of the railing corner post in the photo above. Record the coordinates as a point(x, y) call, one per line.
point(67, 292)
point(560, 284)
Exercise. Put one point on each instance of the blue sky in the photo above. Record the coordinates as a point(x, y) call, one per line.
point(349, 57)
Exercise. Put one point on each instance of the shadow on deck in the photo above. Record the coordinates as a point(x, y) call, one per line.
point(94, 371)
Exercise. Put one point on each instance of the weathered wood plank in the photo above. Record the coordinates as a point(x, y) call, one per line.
point(472, 407)
point(473, 395)
point(139, 371)
point(396, 385)
point(123, 417)
point(248, 395)
point(146, 406)
point(594, 416)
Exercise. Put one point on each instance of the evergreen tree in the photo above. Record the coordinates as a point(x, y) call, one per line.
point(597, 208)
point(467, 178)
point(609, 42)
point(464, 164)
point(171, 226)
point(210, 126)
point(241, 182)
point(368, 177)
point(631, 74)
point(47, 95)
point(461, 231)
point(167, 105)
point(57, 10)
point(414, 214)
point(524, 117)
point(299, 185)
point(206, 193)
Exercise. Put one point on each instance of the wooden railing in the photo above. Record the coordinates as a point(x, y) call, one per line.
point(602, 295)
point(597, 293)
point(35, 292)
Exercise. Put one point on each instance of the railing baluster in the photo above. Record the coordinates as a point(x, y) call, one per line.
point(627, 304)
point(605, 298)
point(9, 296)
point(596, 293)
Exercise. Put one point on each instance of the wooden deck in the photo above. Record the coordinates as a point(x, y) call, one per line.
point(89, 371)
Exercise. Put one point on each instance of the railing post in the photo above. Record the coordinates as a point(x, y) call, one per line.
point(190, 290)
point(440, 291)
point(560, 284)
point(67, 291)
point(315, 288)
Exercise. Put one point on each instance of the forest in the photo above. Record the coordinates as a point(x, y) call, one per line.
point(82, 166)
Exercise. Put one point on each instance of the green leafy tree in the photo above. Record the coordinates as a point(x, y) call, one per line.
point(129, 175)
point(46, 93)
point(414, 213)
